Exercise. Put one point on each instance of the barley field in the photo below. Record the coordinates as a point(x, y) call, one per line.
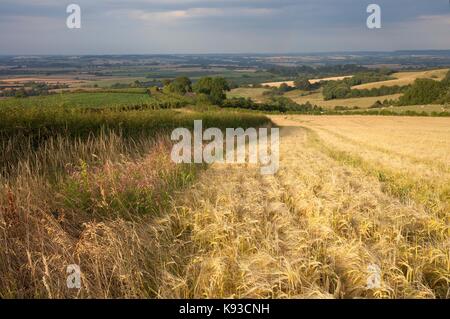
point(353, 194)
point(87, 188)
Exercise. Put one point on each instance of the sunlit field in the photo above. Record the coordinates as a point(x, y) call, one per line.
point(225, 158)
point(352, 192)
point(406, 78)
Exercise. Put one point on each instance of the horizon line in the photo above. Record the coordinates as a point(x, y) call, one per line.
point(230, 53)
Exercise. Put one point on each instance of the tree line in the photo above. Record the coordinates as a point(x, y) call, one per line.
point(427, 91)
point(280, 104)
point(342, 89)
point(333, 91)
point(32, 89)
point(214, 89)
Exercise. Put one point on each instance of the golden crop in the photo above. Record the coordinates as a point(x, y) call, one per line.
point(352, 192)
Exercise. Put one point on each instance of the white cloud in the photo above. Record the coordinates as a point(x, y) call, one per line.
point(173, 15)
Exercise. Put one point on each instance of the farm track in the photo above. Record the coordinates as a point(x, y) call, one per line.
point(312, 230)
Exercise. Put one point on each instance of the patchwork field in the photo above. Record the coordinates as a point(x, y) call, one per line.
point(316, 97)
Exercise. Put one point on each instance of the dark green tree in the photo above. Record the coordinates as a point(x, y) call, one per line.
point(423, 91)
point(182, 85)
point(446, 80)
point(214, 88)
point(302, 83)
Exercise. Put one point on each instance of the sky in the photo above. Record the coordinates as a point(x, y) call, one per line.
point(221, 26)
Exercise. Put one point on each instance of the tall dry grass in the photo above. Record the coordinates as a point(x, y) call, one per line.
point(96, 213)
point(140, 226)
point(87, 188)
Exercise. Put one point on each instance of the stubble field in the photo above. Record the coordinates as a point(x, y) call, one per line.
point(406, 78)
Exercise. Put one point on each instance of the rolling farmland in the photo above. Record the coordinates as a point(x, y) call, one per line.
point(406, 78)
point(88, 175)
point(316, 97)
